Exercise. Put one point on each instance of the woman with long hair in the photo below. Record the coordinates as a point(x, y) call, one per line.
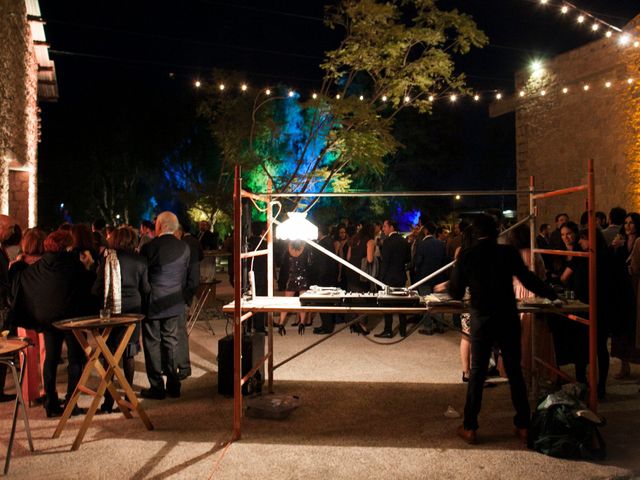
point(625, 281)
point(122, 285)
point(296, 266)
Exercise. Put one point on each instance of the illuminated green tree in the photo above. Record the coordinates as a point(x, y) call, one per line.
point(394, 55)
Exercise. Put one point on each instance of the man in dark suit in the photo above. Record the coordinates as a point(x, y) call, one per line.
point(431, 255)
point(395, 255)
point(488, 270)
point(207, 238)
point(193, 282)
point(325, 274)
point(168, 260)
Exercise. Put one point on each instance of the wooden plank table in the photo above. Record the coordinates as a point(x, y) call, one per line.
point(92, 333)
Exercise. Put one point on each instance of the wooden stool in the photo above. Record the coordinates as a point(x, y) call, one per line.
point(9, 350)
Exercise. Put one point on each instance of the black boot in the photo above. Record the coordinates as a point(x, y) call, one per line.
point(52, 406)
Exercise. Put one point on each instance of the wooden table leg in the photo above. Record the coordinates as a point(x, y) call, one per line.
point(113, 360)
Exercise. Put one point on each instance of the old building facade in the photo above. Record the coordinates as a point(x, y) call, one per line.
point(28, 76)
point(581, 105)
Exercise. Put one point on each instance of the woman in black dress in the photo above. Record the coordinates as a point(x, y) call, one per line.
point(296, 266)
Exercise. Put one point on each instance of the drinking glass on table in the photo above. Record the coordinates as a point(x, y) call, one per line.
point(105, 314)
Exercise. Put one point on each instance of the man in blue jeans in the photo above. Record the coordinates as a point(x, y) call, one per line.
point(488, 270)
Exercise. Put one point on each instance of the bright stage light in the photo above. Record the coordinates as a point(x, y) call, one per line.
point(297, 227)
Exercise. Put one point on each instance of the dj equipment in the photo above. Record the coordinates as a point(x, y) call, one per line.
point(399, 297)
point(322, 296)
point(332, 296)
point(252, 351)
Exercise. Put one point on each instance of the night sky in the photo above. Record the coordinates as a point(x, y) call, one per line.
point(123, 60)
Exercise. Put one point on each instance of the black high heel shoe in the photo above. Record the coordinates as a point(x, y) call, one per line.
point(301, 327)
point(281, 330)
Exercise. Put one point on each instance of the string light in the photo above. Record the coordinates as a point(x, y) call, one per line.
point(431, 98)
point(608, 34)
point(221, 87)
point(544, 2)
point(244, 87)
point(595, 27)
point(565, 90)
point(624, 39)
point(630, 81)
point(543, 92)
point(586, 88)
point(291, 93)
point(384, 98)
point(314, 96)
point(607, 85)
point(498, 96)
point(453, 98)
point(580, 18)
point(361, 97)
point(636, 44)
point(564, 9)
point(407, 99)
point(267, 91)
point(338, 96)
point(476, 97)
point(522, 93)
point(197, 83)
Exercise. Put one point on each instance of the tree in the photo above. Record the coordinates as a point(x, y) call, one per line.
point(394, 56)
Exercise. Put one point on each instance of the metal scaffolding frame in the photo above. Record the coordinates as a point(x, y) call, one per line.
point(592, 321)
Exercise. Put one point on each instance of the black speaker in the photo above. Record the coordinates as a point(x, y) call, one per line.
point(252, 352)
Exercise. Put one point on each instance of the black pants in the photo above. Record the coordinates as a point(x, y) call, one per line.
point(503, 330)
point(160, 339)
point(183, 359)
point(53, 340)
point(388, 321)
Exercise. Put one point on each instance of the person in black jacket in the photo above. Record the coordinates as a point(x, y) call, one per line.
point(57, 287)
point(325, 274)
point(395, 255)
point(133, 297)
point(168, 260)
point(488, 270)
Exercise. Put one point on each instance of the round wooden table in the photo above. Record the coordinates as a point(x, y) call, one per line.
point(92, 332)
point(9, 350)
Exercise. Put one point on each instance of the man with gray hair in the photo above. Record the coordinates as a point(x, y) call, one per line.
point(168, 260)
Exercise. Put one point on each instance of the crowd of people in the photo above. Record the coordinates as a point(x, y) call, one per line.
point(78, 270)
point(401, 260)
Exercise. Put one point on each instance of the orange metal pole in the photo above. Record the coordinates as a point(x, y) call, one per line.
point(237, 311)
point(593, 293)
point(270, 263)
point(563, 191)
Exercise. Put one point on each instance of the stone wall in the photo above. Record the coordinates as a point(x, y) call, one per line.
point(557, 132)
point(18, 106)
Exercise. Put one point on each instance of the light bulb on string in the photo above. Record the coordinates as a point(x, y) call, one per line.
point(291, 93)
point(476, 97)
point(338, 96)
point(636, 44)
point(384, 98)
point(544, 2)
point(407, 99)
point(624, 39)
point(537, 68)
point(543, 93)
point(607, 85)
point(243, 87)
point(221, 87)
point(314, 96)
point(595, 27)
point(565, 90)
point(431, 98)
point(453, 98)
point(267, 91)
point(630, 81)
point(522, 93)
point(580, 19)
point(361, 97)
point(564, 9)
point(498, 96)
point(197, 83)
point(586, 88)
point(608, 34)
